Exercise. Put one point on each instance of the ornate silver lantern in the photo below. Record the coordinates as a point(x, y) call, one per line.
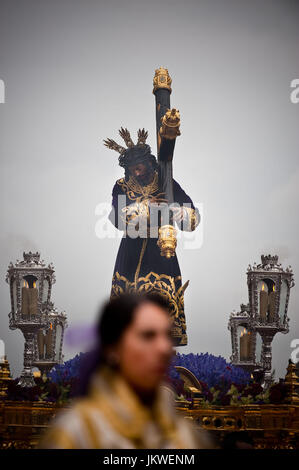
point(269, 287)
point(30, 282)
point(49, 341)
point(243, 338)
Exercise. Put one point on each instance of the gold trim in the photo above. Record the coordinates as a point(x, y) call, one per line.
point(146, 189)
point(161, 79)
point(5, 377)
point(170, 127)
point(291, 381)
point(137, 209)
point(144, 244)
point(271, 420)
point(166, 286)
point(167, 241)
point(131, 187)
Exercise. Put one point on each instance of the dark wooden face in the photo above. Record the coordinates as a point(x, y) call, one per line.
point(141, 172)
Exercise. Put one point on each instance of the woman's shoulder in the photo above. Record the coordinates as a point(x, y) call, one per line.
point(69, 428)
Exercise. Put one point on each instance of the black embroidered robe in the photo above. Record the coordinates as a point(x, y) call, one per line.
point(139, 265)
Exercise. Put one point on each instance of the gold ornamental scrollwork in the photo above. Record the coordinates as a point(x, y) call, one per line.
point(132, 188)
point(167, 241)
point(170, 127)
point(166, 286)
point(162, 79)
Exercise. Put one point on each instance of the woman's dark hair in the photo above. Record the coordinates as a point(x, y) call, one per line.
point(116, 316)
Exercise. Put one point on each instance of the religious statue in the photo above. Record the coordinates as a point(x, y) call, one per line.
point(146, 204)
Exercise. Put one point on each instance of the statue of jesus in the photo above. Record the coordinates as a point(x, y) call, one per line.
point(139, 265)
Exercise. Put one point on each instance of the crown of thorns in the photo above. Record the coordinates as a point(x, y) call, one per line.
point(133, 153)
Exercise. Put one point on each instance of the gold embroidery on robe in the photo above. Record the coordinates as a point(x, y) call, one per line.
point(167, 287)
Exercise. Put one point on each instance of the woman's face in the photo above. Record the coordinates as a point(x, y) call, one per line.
point(146, 347)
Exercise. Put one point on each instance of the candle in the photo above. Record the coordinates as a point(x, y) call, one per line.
point(272, 296)
point(25, 299)
point(40, 343)
point(32, 299)
point(263, 303)
point(245, 346)
point(249, 344)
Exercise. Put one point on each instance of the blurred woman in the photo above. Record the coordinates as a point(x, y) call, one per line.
point(125, 403)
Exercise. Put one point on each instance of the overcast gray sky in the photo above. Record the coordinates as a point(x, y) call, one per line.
point(75, 71)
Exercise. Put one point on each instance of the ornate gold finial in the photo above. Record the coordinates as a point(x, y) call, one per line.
point(162, 79)
point(5, 376)
point(111, 144)
point(142, 136)
point(170, 128)
point(125, 134)
point(167, 240)
point(291, 381)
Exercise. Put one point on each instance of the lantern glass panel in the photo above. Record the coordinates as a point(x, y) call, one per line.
point(14, 296)
point(45, 290)
point(262, 286)
point(29, 295)
point(283, 299)
point(58, 341)
point(244, 338)
point(258, 347)
point(269, 283)
point(266, 300)
point(240, 329)
point(262, 299)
